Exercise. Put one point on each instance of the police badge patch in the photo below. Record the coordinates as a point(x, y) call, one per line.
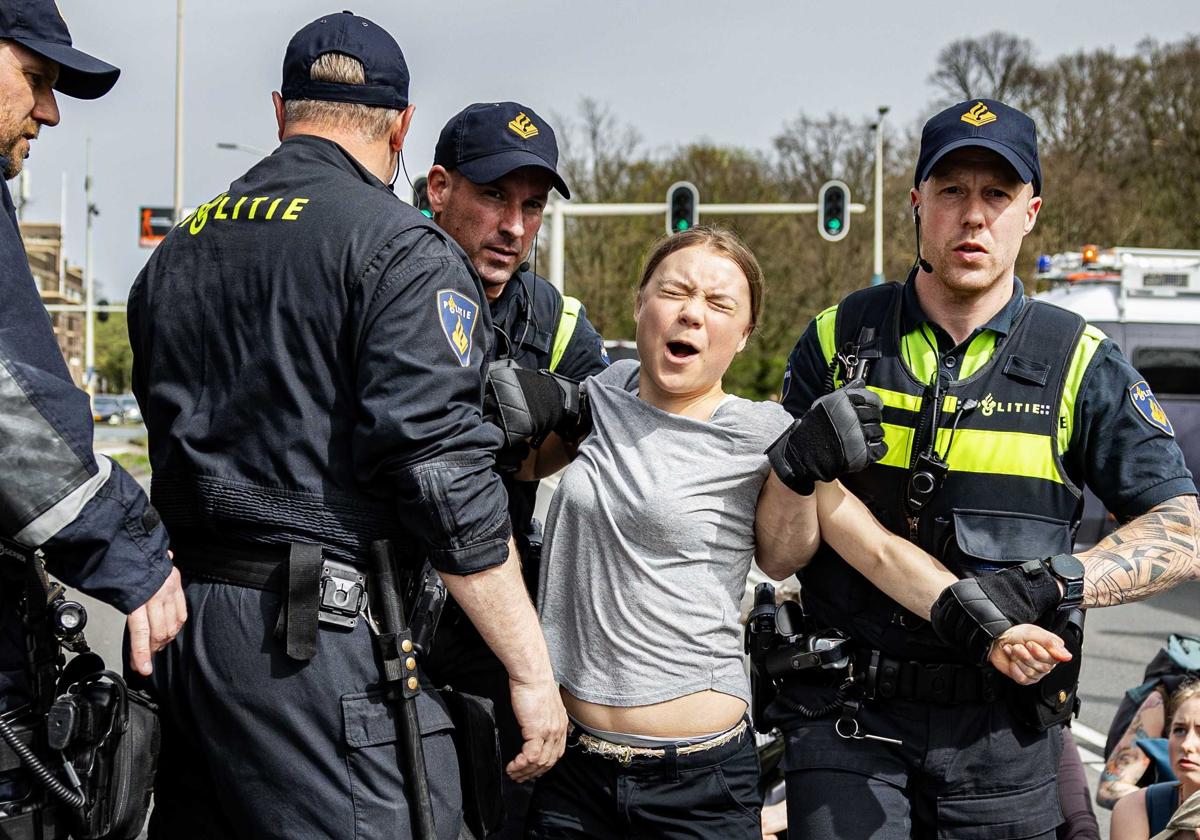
point(1147, 406)
point(457, 313)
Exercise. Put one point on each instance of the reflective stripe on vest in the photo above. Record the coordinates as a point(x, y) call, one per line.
point(978, 451)
point(566, 328)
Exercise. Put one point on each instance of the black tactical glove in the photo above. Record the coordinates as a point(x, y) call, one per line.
point(971, 613)
point(529, 404)
point(841, 433)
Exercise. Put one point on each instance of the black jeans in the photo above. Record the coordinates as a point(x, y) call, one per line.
point(962, 772)
point(709, 794)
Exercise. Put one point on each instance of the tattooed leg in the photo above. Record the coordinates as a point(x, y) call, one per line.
point(1151, 554)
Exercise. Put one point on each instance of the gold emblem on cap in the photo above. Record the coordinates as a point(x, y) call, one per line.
point(524, 128)
point(978, 115)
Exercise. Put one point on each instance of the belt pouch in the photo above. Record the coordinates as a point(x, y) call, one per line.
point(132, 757)
point(1052, 701)
point(478, 746)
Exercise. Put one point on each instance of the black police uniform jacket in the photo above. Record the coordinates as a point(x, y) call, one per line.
point(308, 351)
point(90, 517)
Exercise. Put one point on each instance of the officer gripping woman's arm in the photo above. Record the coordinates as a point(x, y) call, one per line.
point(841, 434)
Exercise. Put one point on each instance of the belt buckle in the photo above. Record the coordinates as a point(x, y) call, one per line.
point(935, 683)
point(343, 594)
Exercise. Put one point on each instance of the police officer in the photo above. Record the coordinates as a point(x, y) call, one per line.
point(997, 411)
point(494, 166)
point(309, 351)
point(88, 515)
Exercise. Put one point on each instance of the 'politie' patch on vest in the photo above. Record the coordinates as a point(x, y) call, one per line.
point(1148, 407)
point(457, 314)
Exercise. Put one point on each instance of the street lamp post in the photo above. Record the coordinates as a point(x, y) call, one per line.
point(178, 207)
point(877, 277)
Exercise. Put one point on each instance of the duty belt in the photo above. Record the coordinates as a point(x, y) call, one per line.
point(315, 591)
point(929, 682)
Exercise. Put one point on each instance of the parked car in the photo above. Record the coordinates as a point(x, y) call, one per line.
point(131, 411)
point(107, 409)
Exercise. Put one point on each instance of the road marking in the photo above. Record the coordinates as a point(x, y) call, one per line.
point(1088, 735)
point(1091, 759)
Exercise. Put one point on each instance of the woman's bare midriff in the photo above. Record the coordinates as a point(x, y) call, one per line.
point(701, 713)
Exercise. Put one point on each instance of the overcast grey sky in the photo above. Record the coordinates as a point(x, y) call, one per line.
point(677, 71)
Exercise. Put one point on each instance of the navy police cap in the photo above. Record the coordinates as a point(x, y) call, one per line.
point(386, 71)
point(488, 140)
point(37, 26)
point(985, 123)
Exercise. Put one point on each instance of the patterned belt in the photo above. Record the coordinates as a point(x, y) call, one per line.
point(624, 754)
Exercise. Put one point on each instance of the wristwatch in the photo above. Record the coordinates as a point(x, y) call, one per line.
point(1068, 569)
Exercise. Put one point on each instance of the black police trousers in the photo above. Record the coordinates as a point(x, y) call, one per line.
point(709, 794)
point(962, 772)
point(257, 745)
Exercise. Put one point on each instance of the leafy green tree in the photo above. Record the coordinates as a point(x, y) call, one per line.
point(114, 356)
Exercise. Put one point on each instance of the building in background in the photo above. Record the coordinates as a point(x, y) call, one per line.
point(58, 284)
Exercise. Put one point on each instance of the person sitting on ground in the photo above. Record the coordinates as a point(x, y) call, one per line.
point(1146, 812)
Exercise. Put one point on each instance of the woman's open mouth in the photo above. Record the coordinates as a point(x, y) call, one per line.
point(681, 351)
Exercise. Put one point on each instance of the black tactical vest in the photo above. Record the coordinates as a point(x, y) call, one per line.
point(1005, 496)
point(526, 318)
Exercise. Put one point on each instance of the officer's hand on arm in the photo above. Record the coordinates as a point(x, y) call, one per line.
point(841, 433)
point(971, 613)
point(154, 624)
point(527, 405)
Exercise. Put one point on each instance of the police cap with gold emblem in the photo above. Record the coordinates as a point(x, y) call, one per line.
point(488, 140)
point(383, 62)
point(986, 123)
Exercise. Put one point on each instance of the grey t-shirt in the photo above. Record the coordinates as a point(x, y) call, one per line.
point(649, 539)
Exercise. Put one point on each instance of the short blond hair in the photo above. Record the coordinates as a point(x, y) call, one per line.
point(368, 121)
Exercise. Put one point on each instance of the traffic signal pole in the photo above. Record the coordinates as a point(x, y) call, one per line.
point(558, 211)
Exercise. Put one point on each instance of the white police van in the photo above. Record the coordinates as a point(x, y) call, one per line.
point(1147, 300)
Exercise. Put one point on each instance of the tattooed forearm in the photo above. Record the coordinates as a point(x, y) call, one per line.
point(1151, 554)
point(1127, 763)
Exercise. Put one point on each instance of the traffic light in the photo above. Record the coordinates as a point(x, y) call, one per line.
point(833, 210)
point(683, 206)
point(421, 196)
point(102, 314)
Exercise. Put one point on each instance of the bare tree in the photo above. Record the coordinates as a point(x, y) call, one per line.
point(995, 66)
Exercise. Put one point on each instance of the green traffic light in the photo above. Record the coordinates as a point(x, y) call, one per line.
point(682, 224)
point(834, 224)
